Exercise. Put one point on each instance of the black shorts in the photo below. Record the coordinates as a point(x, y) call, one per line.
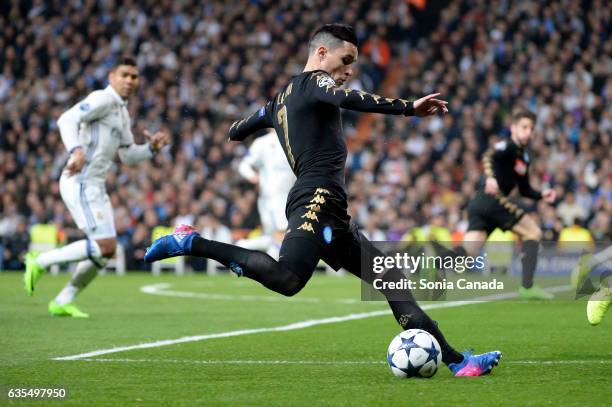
point(320, 216)
point(487, 212)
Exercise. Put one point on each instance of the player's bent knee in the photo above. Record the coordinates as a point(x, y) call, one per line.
point(293, 288)
point(291, 284)
point(107, 247)
point(533, 234)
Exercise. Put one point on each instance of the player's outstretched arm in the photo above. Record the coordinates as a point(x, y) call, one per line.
point(323, 88)
point(241, 129)
point(527, 190)
point(131, 153)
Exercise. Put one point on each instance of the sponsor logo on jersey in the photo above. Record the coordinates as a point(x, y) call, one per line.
point(262, 112)
point(520, 167)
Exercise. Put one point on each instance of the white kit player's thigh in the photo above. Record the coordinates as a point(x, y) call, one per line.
point(272, 213)
point(265, 212)
point(89, 206)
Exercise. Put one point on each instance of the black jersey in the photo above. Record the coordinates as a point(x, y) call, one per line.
point(509, 164)
point(307, 120)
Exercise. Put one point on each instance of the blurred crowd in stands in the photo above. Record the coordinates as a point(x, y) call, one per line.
point(204, 64)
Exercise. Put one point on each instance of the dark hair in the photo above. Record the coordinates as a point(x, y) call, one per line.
point(524, 114)
point(332, 36)
point(126, 60)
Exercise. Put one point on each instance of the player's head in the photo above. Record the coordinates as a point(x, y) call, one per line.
point(333, 48)
point(522, 126)
point(123, 77)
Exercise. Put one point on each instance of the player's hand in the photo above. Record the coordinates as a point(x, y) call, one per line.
point(254, 179)
point(76, 161)
point(491, 186)
point(549, 195)
point(428, 105)
point(158, 140)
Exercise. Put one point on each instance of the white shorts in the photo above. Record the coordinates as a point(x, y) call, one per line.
point(272, 214)
point(90, 207)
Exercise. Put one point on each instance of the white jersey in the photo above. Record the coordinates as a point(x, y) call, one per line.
point(267, 158)
point(101, 125)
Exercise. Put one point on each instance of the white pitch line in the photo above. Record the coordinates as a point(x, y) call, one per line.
point(560, 362)
point(239, 362)
point(162, 289)
point(324, 362)
point(289, 327)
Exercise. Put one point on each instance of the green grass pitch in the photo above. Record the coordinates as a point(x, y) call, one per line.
point(551, 355)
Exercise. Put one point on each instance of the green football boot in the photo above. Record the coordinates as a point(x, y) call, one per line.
point(534, 293)
point(598, 305)
point(66, 310)
point(33, 271)
point(581, 271)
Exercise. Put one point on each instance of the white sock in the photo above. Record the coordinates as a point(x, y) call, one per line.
point(85, 271)
point(67, 295)
point(73, 252)
point(257, 243)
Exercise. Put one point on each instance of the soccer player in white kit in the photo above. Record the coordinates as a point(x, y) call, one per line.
point(266, 165)
point(93, 131)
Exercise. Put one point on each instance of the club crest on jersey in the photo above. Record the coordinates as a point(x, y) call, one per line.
point(325, 80)
point(520, 167)
point(84, 107)
point(327, 234)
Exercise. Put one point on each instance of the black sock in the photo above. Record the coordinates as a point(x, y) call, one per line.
point(286, 278)
point(411, 316)
point(529, 261)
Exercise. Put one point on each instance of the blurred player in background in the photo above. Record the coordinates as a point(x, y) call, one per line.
point(307, 118)
point(93, 131)
point(265, 165)
point(600, 300)
point(506, 166)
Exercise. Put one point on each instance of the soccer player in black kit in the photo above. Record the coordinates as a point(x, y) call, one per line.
point(506, 167)
point(306, 117)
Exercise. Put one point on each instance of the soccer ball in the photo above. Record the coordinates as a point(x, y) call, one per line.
point(414, 353)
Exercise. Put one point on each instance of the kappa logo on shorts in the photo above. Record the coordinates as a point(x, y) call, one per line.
point(318, 199)
point(310, 215)
point(314, 207)
point(307, 226)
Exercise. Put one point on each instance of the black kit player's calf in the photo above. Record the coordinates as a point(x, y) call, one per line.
point(356, 250)
point(298, 259)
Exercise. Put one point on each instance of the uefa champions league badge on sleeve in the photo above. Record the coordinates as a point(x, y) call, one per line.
point(327, 234)
point(84, 107)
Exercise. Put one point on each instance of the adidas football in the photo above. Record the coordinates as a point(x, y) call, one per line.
point(414, 353)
